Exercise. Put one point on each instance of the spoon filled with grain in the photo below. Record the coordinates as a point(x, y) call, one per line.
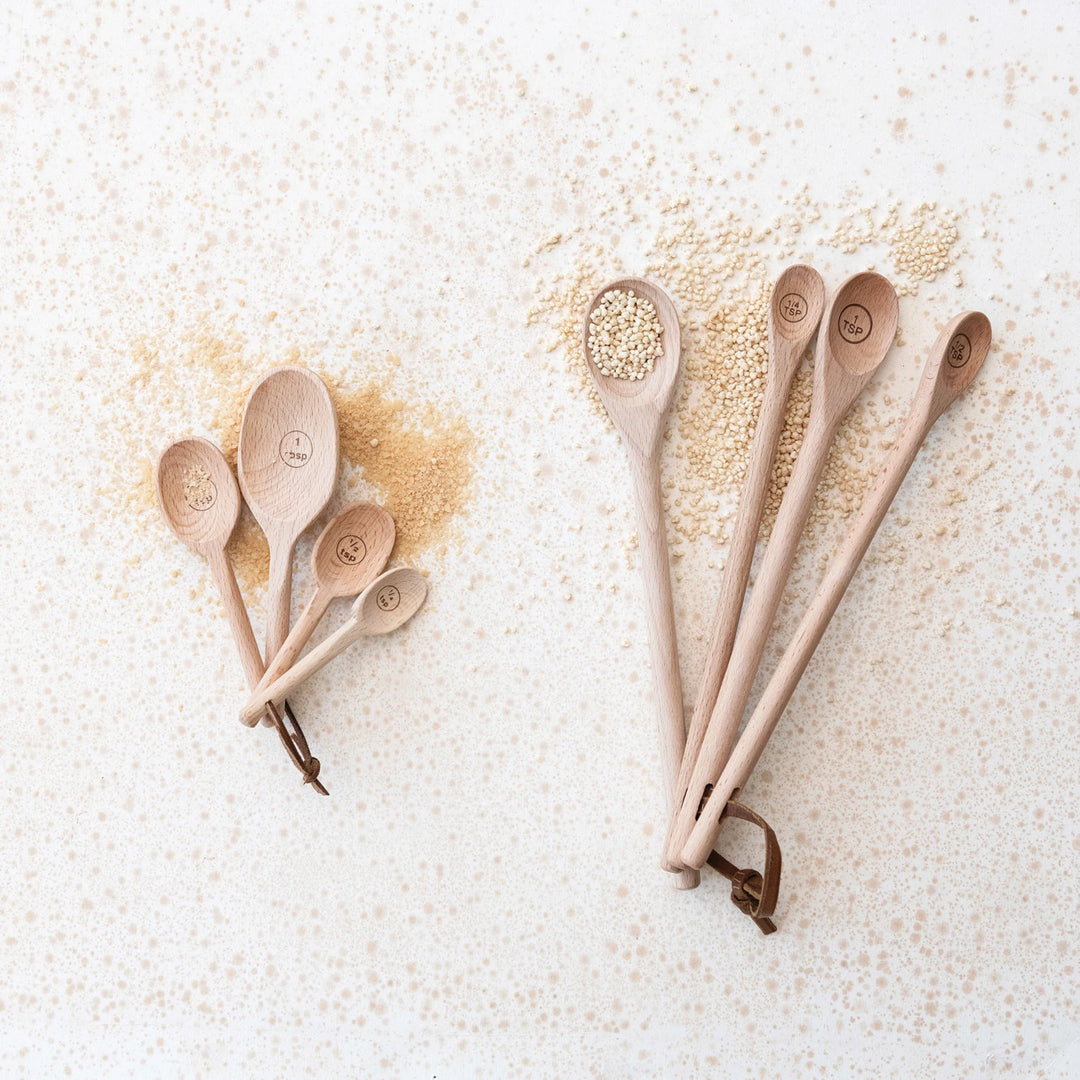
point(632, 345)
point(857, 331)
point(200, 502)
point(350, 553)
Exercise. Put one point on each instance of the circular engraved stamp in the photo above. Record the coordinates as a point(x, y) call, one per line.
point(388, 598)
point(201, 495)
point(959, 351)
point(351, 550)
point(855, 323)
point(793, 307)
point(295, 449)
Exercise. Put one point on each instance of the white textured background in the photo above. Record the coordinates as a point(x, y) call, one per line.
point(480, 896)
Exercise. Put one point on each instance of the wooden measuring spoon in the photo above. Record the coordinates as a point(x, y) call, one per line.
point(350, 553)
point(201, 504)
point(637, 409)
point(954, 361)
point(388, 602)
point(287, 461)
point(794, 313)
point(857, 331)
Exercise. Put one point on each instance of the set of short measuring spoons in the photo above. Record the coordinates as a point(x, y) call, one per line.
point(287, 462)
point(706, 766)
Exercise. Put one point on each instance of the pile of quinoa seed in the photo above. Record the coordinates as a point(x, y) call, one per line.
point(624, 335)
point(719, 266)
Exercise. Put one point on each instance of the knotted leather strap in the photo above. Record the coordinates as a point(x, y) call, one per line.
point(752, 893)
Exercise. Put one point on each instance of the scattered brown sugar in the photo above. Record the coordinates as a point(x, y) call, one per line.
point(418, 463)
point(409, 457)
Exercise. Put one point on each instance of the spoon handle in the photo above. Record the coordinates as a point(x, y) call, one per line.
point(239, 623)
point(298, 637)
point(740, 556)
point(723, 725)
point(806, 638)
point(279, 602)
point(302, 670)
point(660, 615)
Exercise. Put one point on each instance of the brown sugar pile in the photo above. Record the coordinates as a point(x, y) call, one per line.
point(418, 462)
point(409, 457)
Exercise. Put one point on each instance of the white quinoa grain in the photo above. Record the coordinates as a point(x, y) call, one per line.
point(624, 335)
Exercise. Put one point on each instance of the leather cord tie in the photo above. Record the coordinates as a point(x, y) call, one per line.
point(752, 893)
point(296, 746)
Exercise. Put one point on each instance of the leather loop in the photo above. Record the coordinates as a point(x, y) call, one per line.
point(754, 894)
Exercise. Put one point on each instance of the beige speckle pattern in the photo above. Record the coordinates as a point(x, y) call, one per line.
point(337, 185)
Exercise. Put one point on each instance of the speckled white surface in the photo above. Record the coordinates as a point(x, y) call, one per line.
point(480, 896)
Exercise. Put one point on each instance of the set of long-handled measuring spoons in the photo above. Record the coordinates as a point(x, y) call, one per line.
point(706, 767)
point(287, 462)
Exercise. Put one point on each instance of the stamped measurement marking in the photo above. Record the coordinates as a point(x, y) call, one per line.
point(351, 550)
point(959, 351)
point(793, 307)
point(295, 449)
point(204, 497)
point(388, 597)
point(855, 323)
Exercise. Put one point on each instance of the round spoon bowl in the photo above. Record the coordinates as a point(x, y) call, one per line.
point(288, 452)
point(862, 324)
point(658, 385)
point(353, 548)
point(969, 337)
point(390, 600)
point(796, 304)
point(197, 493)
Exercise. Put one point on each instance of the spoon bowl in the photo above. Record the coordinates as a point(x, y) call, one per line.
point(795, 307)
point(197, 493)
point(637, 406)
point(287, 460)
point(862, 324)
point(961, 349)
point(352, 549)
point(287, 457)
point(389, 601)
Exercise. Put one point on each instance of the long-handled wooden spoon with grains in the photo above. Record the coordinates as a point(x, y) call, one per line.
point(856, 332)
point(794, 313)
point(350, 553)
point(954, 361)
point(287, 461)
point(632, 345)
point(387, 603)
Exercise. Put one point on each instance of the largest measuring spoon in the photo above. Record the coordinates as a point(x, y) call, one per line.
point(287, 462)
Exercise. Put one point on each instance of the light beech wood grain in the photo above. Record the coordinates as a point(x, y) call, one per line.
point(954, 361)
point(349, 554)
point(388, 602)
point(857, 330)
point(287, 462)
point(204, 521)
point(795, 307)
point(638, 408)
